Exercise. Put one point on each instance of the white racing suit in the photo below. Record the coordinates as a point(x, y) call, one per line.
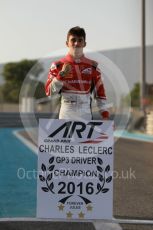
point(76, 88)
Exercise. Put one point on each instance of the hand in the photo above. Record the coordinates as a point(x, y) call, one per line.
point(66, 68)
point(105, 115)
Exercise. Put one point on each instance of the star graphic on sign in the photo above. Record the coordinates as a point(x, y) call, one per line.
point(89, 208)
point(61, 206)
point(69, 214)
point(81, 215)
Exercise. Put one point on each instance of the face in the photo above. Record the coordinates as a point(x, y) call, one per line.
point(76, 45)
point(75, 42)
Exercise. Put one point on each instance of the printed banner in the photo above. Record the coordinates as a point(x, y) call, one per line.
point(75, 169)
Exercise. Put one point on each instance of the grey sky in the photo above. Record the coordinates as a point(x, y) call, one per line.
point(34, 28)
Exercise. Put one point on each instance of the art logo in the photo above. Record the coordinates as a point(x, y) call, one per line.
point(77, 129)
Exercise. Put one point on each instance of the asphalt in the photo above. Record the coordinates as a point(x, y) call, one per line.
point(45, 226)
point(133, 189)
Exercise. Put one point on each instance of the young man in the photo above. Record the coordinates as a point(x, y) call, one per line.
point(75, 77)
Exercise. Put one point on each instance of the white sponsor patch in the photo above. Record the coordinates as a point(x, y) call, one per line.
point(53, 66)
point(87, 71)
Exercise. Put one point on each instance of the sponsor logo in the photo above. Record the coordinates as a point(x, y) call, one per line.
point(71, 130)
point(87, 71)
point(53, 66)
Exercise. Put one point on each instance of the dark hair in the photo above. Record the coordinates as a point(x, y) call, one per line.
point(80, 32)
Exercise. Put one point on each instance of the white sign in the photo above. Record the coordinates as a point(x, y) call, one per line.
point(75, 169)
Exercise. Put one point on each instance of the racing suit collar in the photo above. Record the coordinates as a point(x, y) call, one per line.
point(69, 58)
